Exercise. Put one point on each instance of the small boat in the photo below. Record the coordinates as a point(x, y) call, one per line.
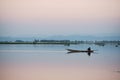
point(71, 50)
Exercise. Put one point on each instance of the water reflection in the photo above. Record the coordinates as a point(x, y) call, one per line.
point(88, 53)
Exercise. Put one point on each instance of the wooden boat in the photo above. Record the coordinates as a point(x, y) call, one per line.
point(71, 50)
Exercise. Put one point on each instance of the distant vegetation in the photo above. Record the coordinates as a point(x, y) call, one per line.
point(63, 42)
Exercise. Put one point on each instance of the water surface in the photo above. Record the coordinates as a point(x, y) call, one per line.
point(52, 62)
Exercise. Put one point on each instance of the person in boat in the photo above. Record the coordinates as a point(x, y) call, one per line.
point(89, 49)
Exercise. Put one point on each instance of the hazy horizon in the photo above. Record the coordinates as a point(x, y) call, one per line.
point(61, 37)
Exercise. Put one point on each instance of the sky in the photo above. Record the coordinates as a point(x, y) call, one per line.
point(59, 17)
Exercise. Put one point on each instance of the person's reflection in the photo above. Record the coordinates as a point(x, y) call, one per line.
point(89, 53)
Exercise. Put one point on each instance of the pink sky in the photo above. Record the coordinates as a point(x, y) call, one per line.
point(63, 12)
point(59, 9)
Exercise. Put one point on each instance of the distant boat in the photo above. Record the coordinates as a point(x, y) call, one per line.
point(72, 50)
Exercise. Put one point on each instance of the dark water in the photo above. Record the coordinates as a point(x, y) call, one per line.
point(103, 64)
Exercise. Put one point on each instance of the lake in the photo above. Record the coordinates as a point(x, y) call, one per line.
point(52, 62)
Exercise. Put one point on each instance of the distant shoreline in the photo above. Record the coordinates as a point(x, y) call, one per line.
point(62, 42)
point(34, 43)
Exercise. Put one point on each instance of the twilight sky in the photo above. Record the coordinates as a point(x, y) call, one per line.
point(59, 17)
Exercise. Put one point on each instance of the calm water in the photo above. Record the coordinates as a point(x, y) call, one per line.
point(52, 62)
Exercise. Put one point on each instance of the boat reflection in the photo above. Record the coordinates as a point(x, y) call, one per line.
point(88, 53)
